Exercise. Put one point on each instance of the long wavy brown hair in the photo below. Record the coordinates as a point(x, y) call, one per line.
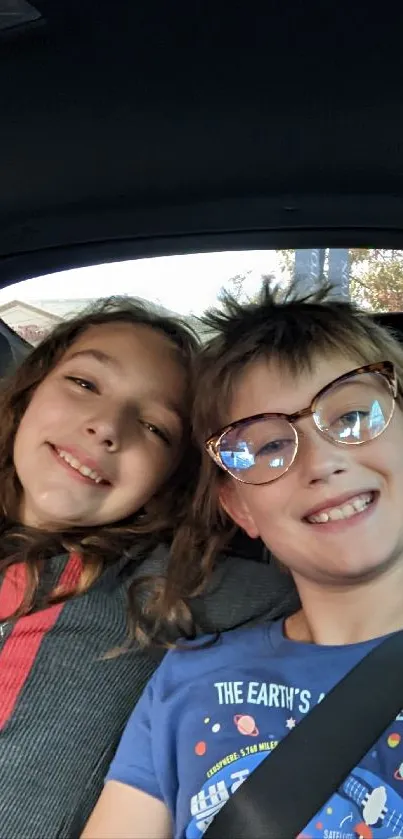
point(98, 547)
point(279, 326)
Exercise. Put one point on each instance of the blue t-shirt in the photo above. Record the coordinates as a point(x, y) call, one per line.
point(209, 716)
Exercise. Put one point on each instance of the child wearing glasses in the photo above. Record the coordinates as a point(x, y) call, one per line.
point(299, 415)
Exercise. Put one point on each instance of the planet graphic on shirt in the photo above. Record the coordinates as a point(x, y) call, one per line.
point(394, 740)
point(363, 830)
point(246, 725)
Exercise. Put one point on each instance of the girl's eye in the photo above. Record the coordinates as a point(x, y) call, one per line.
point(85, 384)
point(157, 431)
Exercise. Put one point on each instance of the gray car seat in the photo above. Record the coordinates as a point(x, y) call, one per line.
point(13, 349)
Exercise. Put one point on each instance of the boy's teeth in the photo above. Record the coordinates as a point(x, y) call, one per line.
point(345, 511)
point(75, 464)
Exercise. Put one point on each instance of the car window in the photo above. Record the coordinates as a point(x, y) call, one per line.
point(188, 284)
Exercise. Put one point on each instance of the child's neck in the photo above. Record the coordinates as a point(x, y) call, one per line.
point(337, 616)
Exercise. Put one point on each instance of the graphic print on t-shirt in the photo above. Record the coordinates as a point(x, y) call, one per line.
point(210, 715)
point(233, 737)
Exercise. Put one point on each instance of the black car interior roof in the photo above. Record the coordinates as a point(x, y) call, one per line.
point(133, 129)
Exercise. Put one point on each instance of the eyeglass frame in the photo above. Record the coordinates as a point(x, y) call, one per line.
point(384, 368)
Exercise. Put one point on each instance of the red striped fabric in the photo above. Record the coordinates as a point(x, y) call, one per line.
point(21, 648)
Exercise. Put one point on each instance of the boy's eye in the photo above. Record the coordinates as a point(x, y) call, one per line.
point(85, 384)
point(157, 431)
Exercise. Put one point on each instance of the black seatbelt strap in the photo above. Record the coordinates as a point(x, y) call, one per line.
point(298, 778)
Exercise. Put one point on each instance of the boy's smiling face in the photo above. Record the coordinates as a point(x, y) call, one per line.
point(323, 476)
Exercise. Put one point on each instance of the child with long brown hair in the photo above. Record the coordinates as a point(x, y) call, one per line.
point(299, 415)
point(95, 461)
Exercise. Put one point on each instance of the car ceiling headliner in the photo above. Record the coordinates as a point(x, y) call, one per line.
point(132, 129)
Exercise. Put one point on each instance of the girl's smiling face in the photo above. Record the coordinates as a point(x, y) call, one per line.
point(104, 430)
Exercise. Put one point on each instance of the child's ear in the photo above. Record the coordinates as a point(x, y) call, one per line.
point(237, 509)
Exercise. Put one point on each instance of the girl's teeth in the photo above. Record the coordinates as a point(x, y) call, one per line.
point(75, 464)
point(336, 514)
point(345, 511)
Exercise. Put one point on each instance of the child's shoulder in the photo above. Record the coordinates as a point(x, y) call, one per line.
point(195, 658)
